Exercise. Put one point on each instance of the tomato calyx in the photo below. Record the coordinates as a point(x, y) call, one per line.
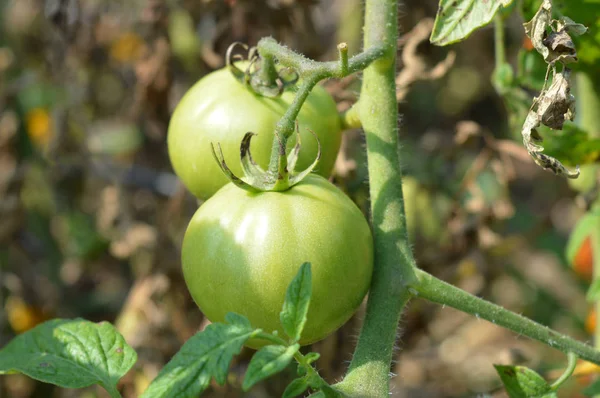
point(256, 178)
point(260, 74)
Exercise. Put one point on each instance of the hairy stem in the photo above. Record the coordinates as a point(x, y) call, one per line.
point(394, 264)
point(438, 291)
point(285, 129)
point(311, 72)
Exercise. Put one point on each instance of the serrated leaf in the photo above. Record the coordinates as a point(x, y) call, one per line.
point(205, 355)
point(297, 300)
point(295, 388)
point(457, 19)
point(71, 354)
point(268, 361)
point(522, 382)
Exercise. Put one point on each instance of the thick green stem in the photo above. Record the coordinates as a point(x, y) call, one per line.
point(438, 291)
point(368, 375)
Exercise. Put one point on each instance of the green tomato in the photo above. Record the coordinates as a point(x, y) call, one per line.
point(219, 109)
point(242, 249)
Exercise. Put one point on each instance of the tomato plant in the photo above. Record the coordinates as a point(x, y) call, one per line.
point(220, 109)
point(280, 257)
point(242, 249)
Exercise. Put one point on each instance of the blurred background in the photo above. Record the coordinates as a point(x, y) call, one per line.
point(92, 216)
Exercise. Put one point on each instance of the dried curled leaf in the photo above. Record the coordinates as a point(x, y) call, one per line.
point(566, 23)
point(536, 28)
point(560, 47)
point(557, 104)
point(555, 45)
point(552, 108)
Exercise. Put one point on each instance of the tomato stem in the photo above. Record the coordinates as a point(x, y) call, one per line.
point(267, 74)
point(394, 270)
point(311, 72)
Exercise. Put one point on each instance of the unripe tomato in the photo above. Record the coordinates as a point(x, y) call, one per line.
point(242, 249)
point(219, 109)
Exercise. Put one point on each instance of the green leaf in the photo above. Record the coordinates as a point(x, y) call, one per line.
point(71, 354)
point(207, 354)
point(295, 388)
point(593, 389)
point(297, 300)
point(522, 382)
point(268, 361)
point(457, 19)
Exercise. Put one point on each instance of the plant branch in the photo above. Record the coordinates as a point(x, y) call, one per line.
point(308, 67)
point(438, 291)
point(311, 72)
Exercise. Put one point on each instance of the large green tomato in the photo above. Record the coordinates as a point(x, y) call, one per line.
point(242, 249)
point(219, 109)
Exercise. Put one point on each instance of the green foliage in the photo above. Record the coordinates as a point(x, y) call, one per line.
point(268, 361)
point(522, 382)
point(296, 388)
point(456, 20)
point(71, 354)
point(208, 354)
point(297, 300)
point(204, 356)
